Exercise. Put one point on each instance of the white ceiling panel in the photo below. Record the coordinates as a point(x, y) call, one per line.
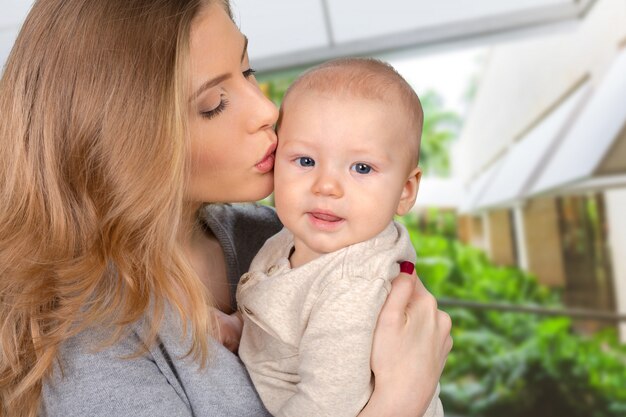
point(279, 27)
point(360, 19)
point(13, 12)
point(287, 33)
point(7, 38)
point(371, 27)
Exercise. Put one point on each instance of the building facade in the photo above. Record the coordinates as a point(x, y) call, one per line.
point(543, 158)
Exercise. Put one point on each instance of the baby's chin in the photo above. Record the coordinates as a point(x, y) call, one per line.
point(334, 245)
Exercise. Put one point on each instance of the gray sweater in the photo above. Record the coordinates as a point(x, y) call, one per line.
point(160, 383)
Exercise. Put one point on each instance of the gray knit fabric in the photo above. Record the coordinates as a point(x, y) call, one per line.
point(160, 383)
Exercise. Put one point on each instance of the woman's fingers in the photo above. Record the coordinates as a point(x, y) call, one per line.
point(423, 311)
point(411, 344)
point(395, 307)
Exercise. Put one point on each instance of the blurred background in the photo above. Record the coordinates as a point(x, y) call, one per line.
point(520, 221)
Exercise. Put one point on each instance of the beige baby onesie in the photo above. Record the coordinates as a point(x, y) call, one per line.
point(308, 331)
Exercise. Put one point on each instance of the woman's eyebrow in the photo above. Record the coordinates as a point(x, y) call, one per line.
point(215, 81)
point(208, 84)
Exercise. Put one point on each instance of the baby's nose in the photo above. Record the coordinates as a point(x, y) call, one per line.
point(328, 185)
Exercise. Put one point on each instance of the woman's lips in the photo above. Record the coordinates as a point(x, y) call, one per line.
point(267, 163)
point(325, 220)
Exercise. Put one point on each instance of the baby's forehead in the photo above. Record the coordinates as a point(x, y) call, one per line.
point(318, 106)
point(361, 78)
point(345, 87)
point(344, 101)
point(317, 120)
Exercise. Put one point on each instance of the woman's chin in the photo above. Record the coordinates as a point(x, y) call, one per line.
point(249, 194)
point(260, 195)
point(263, 189)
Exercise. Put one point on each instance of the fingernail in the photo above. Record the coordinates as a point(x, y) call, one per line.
point(407, 267)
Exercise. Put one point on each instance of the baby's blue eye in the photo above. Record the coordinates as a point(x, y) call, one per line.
point(361, 168)
point(305, 161)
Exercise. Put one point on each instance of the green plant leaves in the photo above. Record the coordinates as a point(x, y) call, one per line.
point(516, 364)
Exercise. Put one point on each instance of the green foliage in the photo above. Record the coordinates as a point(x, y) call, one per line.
point(440, 129)
point(515, 364)
point(275, 85)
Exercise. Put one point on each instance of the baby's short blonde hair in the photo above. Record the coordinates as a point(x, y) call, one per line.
point(365, 78)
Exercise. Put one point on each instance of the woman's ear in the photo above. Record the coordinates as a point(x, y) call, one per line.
point(409, 192)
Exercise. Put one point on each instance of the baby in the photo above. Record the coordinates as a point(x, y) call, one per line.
point(346, 163)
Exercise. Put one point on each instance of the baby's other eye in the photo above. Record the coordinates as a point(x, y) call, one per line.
point(361, 168)
point(305, 161)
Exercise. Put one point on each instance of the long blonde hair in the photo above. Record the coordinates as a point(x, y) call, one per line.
point(93, 152)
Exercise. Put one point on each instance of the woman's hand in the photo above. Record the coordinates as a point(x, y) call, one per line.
point(229, 329)
point(411, 344)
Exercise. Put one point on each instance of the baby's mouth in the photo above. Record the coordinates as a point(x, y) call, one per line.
point(326, 217)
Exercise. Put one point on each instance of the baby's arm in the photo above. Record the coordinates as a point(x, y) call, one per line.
point(335, 350)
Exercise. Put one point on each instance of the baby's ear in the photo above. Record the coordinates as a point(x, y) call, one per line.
point(409, 192)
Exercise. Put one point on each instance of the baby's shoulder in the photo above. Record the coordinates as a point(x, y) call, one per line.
point(380, 256)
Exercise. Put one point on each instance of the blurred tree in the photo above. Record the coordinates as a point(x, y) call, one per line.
point(275, 85)
point(441, 128)
point(512, 363)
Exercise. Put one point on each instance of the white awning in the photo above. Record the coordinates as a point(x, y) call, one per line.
point(476, 188)
point(523, 162)
point(596, 184)
point(591, 137)
point(579, 147)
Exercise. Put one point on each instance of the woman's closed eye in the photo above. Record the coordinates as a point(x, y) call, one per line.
point(209, 114)
point(361, 168)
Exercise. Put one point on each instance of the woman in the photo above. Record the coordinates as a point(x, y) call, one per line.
point(120, 119)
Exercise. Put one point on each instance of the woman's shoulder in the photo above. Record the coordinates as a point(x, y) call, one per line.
point(89, 379)
point(251, 218)
point(159, 381)
point(241, 229)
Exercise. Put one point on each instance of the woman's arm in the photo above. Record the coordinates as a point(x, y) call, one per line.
point(411, 344)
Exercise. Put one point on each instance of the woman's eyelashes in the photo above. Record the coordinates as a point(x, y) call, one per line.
point(249, 72)
point(209, 114)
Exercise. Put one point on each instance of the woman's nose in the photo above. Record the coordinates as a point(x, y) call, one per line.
point(264, 113)
point(327, 185)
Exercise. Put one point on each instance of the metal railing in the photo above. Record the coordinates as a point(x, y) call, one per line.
point(574, 313)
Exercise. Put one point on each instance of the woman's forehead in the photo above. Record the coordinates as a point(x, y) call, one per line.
point(216, 45)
